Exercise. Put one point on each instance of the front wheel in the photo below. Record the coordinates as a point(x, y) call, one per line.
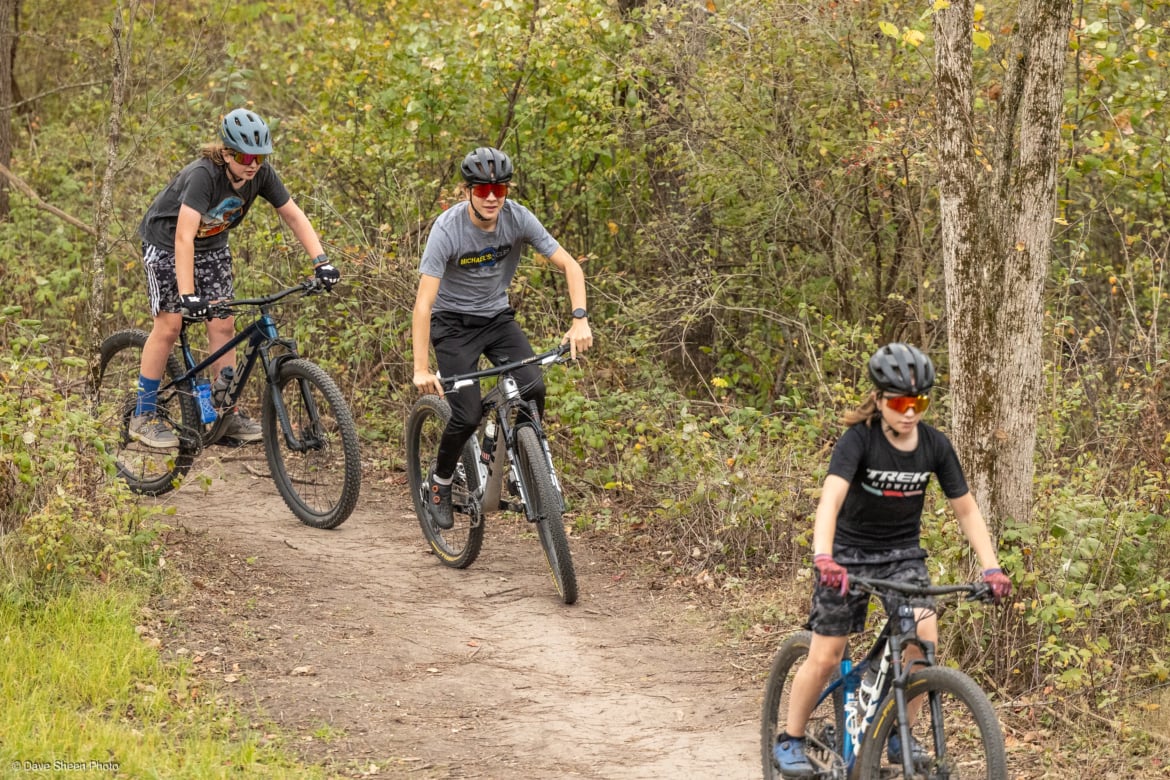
point(545, 507)
point(315, 460)
point(957, 728)
point(825, 728)
point(459, 546)
point(150, 471)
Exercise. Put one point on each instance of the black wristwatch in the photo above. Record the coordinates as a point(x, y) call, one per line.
point(580, 314)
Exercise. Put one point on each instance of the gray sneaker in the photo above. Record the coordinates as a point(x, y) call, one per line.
point(153, 432)
point(241, 427)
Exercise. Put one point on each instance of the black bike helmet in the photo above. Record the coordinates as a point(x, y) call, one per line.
point(486, 166)
point(902, 369)
point(245, 132)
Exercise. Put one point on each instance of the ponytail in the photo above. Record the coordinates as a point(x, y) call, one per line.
point(867, 412)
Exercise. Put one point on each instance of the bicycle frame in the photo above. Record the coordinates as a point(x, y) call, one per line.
point(500, 402)
point(862, 698)
point(260, 336)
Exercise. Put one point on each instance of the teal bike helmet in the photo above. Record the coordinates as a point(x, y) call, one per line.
point(245, 132)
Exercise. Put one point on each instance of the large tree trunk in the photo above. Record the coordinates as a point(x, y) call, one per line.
point(997, 195)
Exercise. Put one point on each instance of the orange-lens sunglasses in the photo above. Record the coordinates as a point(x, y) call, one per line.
point(904, 403)
point(500, 190)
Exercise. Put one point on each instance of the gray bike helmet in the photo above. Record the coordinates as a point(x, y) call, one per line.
point(486, 166)
point(245, 132)
point(902, 369)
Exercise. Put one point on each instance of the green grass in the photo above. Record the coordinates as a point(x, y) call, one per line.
point(79, 685)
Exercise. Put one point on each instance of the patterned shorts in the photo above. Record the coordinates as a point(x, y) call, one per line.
point(836, 615)
point(213, 277)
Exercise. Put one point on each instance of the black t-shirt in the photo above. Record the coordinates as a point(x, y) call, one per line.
point(887, 487)
point(204, 186)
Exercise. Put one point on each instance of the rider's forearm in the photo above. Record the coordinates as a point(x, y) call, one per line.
point(420, 335)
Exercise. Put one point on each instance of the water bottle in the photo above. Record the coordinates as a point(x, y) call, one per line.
point(487, 451)
point(219, 388)
point(206, 408)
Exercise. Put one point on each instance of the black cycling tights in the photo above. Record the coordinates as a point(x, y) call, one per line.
point(459, 340)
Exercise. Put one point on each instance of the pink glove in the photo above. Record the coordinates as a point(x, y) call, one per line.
point(1001, 586)
point(833, 574)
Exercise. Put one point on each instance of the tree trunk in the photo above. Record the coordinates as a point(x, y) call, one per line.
point(120, 40)
point(997, 197)
point(9, 11)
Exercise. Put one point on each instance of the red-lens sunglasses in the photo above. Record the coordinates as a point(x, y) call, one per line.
point(904, 403)
point(248, 159)
point(500, 190)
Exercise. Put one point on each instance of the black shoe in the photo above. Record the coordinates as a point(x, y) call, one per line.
point(894, 750)
point(438, 498)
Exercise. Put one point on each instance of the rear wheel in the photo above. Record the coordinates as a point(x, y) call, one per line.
point(957, 728)
point(459, 546)
point(147, 470)
point(316, 463)
point(546, 508)
point(825, 726)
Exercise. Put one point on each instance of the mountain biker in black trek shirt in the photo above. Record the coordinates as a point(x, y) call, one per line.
point(462, 310)
point(869, 523)
point(189, 265)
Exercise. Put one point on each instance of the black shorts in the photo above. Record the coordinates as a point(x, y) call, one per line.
point(836, 615)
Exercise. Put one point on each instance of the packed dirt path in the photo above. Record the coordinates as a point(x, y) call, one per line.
point(372, 657)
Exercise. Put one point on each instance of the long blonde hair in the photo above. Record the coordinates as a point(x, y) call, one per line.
point(867, 412)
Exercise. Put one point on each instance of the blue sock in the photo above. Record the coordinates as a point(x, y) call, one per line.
point(147, 395)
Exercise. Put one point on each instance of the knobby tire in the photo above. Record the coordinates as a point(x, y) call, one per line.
point(320, 483)
point(457, 547)
point(825, 725)
point(974, 746)
point(541, 491)
point(146, 470)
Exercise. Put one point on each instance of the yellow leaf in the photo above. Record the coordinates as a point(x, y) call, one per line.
point(889, 29)
point(711, 6)
point(613, 228)
point(981, 39)
point(913, 38)
point(979, 12)
point(942, 5)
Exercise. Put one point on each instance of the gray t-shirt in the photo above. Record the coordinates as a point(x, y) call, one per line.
point(475, 266)
point(204, 186)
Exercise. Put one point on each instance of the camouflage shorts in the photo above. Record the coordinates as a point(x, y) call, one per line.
point(213, 277)
point(835, 615)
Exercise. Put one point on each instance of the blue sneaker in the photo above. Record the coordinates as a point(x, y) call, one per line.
point(894, 750)
point(790, 758)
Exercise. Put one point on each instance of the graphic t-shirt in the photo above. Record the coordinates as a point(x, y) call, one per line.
point(475, 266)
point(204, 186)
point(887, 487)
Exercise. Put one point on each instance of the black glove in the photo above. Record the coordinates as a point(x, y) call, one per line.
point(328, 275)
point(193, 305)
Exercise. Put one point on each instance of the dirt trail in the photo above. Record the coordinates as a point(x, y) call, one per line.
point(386, 663)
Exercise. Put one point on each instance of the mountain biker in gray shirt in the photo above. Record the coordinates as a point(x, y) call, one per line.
point(461, 307)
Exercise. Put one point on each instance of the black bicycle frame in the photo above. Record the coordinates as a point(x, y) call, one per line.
point(260, 336)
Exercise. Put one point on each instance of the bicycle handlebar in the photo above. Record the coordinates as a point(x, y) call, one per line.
point(976, 591)
point(222, 309)
point(464, 380)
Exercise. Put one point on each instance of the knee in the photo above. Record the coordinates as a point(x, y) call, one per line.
point(166, 327)
point(222, 329)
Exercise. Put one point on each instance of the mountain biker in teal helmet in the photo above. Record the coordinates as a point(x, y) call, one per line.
point(189, 265)
point(462, 308)
point(868, 524)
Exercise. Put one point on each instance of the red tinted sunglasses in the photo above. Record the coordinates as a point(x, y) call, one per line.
point(248, 159)
point(484, 190)
point(904, 403)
